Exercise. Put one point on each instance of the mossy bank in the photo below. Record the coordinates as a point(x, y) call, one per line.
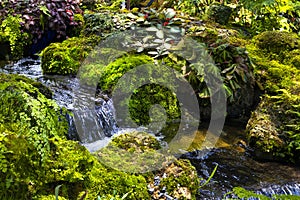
point(36, 156)
point(273, 129)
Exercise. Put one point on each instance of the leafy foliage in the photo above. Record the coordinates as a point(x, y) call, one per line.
point(232, 61)
point(193, 8)
point(28, 121)
point(267, 15)
point(98, 23)
point(11, 32)
point(39, 17)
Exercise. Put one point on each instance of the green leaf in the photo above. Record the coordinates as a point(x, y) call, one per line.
point(57, 191)
point(211, 175)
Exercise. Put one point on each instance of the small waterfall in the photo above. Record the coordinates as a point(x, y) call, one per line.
point(105, 116)
point(92, 118)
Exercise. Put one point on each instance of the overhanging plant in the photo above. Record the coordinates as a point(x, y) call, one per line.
point(11, 32)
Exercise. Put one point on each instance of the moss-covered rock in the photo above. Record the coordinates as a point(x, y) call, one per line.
point(273, 129)
point(263, 133)
point(116, 69)
point(134, 152)
point(36, 157)
point(274, 126)
point(144, 97)
point(65, 58)
point(277, 41)
point(136, 141)
point(138, 152)
point(28, 121)
point(180, 180)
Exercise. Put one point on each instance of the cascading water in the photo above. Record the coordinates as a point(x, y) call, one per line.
point(64, 89)
point(234, 168)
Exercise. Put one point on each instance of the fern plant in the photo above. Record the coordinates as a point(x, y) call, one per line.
point(11, 32)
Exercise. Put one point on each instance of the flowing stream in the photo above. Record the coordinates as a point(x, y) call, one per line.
point(235, 166)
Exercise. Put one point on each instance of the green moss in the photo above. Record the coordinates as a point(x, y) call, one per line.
point(36, 156)
point(238, 41)
point(293, 58)
point(65, 58)
point(133, 152)
point(115, 70)
point(28, 121)
point(263, 132)
point(277, 41)
point(273, 72)
point(243, 193)
point(145, 97)
point(110, 5)
point(104, 181)
point(48, 197)
point(94, 65)
point(138, 151)
point(139, 141)
point(274, 126)
point(182, 181)
point(246, 194)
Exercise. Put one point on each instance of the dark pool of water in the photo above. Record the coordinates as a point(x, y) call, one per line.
point(239, 169)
